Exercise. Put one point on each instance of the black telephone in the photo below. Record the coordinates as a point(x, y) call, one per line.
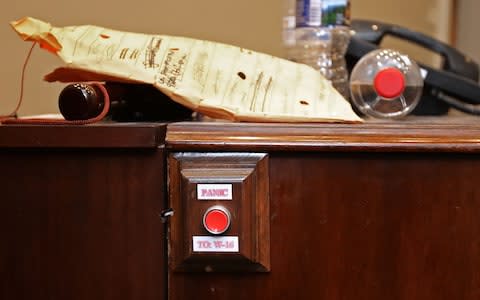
point(454, 85)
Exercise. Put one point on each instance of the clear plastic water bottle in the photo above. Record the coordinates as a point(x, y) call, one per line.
point(317, 33)
point(386, 84)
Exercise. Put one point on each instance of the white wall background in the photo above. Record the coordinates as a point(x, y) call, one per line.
point(249, 23)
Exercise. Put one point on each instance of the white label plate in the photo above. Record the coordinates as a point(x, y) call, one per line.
point(215, 244)
point(214, 192)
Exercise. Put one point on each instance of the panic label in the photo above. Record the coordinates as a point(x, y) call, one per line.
point(214, 191)
point(215, 244)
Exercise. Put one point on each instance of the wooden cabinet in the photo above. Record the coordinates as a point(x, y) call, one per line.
point(80, 212)
point(382, 210)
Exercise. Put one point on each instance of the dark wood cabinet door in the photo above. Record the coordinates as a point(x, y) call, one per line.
point(80, 216)
point(368, 212)
point(362, 226)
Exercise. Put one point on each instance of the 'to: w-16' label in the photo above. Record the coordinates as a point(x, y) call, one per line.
point(215, 244)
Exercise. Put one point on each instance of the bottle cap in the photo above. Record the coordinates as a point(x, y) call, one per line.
point(389, 83)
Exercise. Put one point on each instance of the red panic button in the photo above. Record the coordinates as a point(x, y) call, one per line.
point(216, 219)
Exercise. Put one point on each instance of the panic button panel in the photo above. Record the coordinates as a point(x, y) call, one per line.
point(221, 212)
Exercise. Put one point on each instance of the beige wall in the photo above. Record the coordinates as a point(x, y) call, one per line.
point(468, 39)
point(249, 23)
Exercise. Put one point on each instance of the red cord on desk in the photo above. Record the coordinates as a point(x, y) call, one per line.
point(47, 121)
point(13, 119)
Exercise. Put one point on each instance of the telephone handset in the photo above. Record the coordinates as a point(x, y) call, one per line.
point(454, 85)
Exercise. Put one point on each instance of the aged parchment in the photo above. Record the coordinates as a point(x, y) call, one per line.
point(218, 80)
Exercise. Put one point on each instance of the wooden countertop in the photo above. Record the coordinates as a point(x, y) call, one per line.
point(99, 135)
point(413, 134)
point(439, 134)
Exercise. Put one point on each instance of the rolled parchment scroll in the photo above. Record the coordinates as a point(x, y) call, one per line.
point(215, 79)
